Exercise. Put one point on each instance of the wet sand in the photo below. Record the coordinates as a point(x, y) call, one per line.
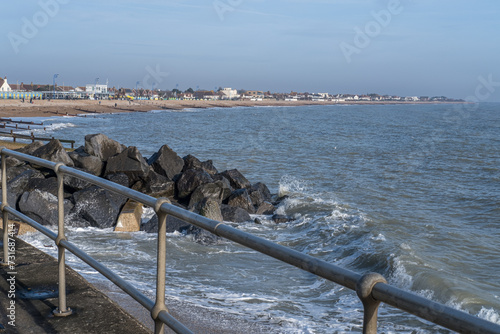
point(41, 108)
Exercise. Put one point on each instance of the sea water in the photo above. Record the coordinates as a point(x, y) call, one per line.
point(409, 191)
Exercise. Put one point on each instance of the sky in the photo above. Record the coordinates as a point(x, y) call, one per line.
point(395, 47)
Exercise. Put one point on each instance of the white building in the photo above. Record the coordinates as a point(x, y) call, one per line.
point(230, 94)
point(96, 89)
point(4, 86)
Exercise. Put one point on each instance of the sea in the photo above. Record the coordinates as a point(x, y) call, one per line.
point(410, 191)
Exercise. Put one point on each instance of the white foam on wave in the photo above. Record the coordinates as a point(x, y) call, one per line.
point(399, 275)
point(289, 185)
point(147, 214)
point(489, 314)
point(48, 128)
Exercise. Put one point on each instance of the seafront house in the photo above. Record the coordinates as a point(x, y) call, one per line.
point(4, 86)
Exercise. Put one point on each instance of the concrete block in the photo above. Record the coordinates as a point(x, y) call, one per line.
point(129, 219)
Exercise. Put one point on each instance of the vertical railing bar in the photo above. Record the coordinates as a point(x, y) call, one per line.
point(5, 214)
point(160, 266)
point(62, 310)
point(364, 288)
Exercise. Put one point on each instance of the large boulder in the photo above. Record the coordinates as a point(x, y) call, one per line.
point(119, 178)
point(74, 183)
point(13, 162)
point(173, 225)
point(278, 219)
point(208, 166)
point(233, 214)
point(226, 185)
point(263, 191)
point(55, 152)
point(210, 209)
point(48, 185)
point(42, 207)
point(191, 162)
point(101, 146)
point(236, 179)
point(98, 206)
point(17, 186)
point(87, 162)
point(240, 199)
point(214, 191)
point(166, 162)
point(130, 162)
point(265, 208)
point(155, 185)
point(177, 225)
point(30, 148)
point(190, 180)
point(13, 172)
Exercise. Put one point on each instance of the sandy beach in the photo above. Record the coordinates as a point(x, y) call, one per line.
point(41, 108)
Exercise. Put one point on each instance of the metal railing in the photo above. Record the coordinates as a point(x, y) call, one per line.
point(371, 288)
point(32, 137)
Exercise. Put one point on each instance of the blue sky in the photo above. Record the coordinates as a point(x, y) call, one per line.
point(422, 48)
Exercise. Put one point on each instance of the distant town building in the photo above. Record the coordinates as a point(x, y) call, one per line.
point(4, 86)
point(96, 89)
point(229, 94)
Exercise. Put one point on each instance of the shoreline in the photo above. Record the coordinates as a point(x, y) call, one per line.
point(43, 108)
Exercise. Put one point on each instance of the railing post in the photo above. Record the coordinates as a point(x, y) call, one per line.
point(5, 215)
point(161, 266)
point(364, 289)
point(62, 310)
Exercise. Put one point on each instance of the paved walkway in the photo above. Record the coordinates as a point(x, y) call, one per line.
point(35, 286)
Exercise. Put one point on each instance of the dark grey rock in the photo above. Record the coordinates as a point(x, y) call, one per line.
point(256, 196)
point(42, 207)
point(18, 185)
point(87, 162)
point(74, 184)
point(281, 219)
point(155, 185)
point(120, 178)
point(130, 162)
point(240, 199)
point(177, 225)
point(190, 180)
point(55, 152)
point(208, 166)
point(13, 172)
point(211, 209)
point(263, 189)
point(191, 162)
point(98, 206)
point(236, 179)
point(101, 146)
point(226, 185)
point(30, 148)
point(45, 185)
point(166, 162)
point(13, 162)
point(265, 208)
point(213, 191)
point(233, 214)
point(173, 225)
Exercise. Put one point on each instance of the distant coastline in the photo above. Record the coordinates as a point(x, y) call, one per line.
point(44, 108)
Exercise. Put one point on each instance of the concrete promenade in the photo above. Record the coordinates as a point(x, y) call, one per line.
point(36, 291)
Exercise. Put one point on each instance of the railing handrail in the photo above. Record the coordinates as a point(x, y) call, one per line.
point(33, 138)
point(371, 288)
